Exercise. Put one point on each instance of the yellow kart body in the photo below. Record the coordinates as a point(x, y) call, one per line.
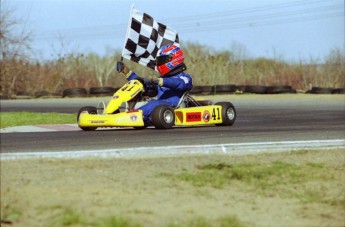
point(125, 119)
point(201, 115)
point(91, 118)
point(184, 117)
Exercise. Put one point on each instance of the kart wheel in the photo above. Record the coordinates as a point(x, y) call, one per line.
point(228, 113)
point(163, 117)
point(90, 110)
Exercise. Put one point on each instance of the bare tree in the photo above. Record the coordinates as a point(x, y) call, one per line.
point(14, 47)
point(102, 67)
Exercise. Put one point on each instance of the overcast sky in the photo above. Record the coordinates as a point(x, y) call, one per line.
point(291, 30)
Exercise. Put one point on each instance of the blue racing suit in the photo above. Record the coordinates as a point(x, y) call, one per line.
point(169, 93)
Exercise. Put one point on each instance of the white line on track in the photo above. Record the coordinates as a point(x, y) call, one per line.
point(231, 148)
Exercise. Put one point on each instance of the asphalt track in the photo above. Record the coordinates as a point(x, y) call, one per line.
point(260, 119)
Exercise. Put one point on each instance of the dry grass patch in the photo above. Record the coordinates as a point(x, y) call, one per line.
point(295, 188)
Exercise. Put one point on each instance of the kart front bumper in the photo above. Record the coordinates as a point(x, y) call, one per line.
point(125, 119)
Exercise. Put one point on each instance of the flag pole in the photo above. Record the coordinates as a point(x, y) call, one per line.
point(127, 32)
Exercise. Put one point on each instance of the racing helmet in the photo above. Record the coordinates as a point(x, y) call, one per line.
point(169, 57)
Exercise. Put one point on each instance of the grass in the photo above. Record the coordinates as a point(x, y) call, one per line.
point(67, 216)
point(11, 119)
point(300, 188)
point(274, 179)
point(115, 221)
point(229, 221)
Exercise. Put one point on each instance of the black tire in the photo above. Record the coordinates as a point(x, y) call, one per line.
point(23, 93)
point(338, 91)
point(228, 113)
point(255, 89)
point(90, 110)
point(227, 88)
point(74, 92)
point(163, 117)
point(279, 89)
point(39, 94)
point(320, 90)
point(240, 88)
point(102, 91)
point(27, 97)
point(196, 90)
point(207, 90)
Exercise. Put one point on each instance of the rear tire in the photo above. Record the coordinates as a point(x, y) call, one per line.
point(163, 117)
point(228, 113)
point(90, 110)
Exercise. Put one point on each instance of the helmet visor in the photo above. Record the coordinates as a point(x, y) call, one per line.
point(160, 60)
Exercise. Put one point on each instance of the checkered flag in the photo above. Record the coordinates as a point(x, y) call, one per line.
point(144, 38)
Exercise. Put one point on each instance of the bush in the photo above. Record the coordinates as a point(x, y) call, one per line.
point(208, 68)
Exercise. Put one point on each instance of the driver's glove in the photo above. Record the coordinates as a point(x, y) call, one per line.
point(158, 81)
point(122, 68)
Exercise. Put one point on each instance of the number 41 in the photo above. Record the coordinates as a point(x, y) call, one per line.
point(216, 114)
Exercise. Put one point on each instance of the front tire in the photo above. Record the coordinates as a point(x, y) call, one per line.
point(163, 117)
point(90, 110)
point(228, 113)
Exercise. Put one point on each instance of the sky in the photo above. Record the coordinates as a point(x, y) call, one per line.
point(292, 30)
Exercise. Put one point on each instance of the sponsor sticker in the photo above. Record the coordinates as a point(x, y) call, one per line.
point(133, 117)
point(206, 116)
point(135, 93)
point(97, 122)
point(193, 116)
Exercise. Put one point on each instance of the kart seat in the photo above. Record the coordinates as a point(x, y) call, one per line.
point(188, 101)
point(183, 100)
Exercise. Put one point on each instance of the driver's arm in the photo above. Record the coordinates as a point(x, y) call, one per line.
point(130, 75)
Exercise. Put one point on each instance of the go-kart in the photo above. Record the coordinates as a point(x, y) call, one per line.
point(188, 112)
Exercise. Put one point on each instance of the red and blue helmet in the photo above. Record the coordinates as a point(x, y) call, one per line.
point(169, 57)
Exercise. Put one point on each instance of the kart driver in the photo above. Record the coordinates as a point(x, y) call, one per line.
point(173, 81)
